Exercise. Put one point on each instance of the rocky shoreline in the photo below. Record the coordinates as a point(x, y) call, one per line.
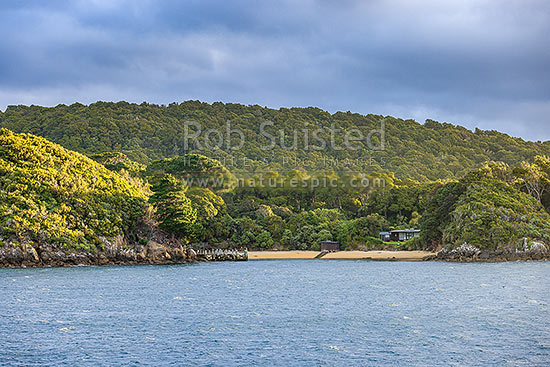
point(152, 253)
point(25, 255)
point(155, 253)
point(468, 253)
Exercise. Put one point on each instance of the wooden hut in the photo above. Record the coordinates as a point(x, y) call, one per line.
point(330, 246)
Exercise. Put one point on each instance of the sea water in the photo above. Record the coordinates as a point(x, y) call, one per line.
point(278, 312)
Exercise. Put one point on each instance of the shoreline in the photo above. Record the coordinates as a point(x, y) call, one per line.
point(379, 255)
point(156, 254)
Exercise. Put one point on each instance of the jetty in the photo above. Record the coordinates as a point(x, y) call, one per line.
point(220, 254)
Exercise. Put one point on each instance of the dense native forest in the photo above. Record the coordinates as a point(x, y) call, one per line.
point(147, 132)
point(51, 194)
point(136, 168)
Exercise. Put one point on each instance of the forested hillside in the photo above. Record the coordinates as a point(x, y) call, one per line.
point(485, 189)
point(49, 194)
point(147, 132)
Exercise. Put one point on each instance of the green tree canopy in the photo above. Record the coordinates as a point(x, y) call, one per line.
point(52, 195)
point(174, 209)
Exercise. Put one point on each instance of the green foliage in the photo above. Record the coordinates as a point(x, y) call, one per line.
point(438, 212)
point(482, 187)
point(484, 212)
point(148, 132)
point(49, 194)
point(415, 243)
point(119, 162)
point(174, 210)
point(361, 232)
point(205, 202)
point(492, 214)
point(400, 204)
point(264, 240)
point(196, 171)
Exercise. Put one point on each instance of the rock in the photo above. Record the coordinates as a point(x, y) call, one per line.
point(163, 250)
point(156, 251)
point(537, 248)
point(468, 250)
point(468, 253)
point(18, 255)
point(485, 255)
point(33, 253)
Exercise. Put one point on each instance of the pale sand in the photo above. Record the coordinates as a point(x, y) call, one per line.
point(341, 255)
point(260, 255)
point(379, 255)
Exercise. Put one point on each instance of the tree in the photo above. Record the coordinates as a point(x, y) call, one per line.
point(195, 170)
point(174, 210)
point(264, 240)
point(205, 202)
point(532, 179)
point(51, 195)
point(493, 214)
point(438, 211)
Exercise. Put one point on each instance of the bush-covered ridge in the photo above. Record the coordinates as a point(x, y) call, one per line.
point(52, 195)
point(148, 132)
point(484, 212)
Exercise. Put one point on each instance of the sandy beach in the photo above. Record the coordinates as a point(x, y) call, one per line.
point(263, 255)
point(341, 255)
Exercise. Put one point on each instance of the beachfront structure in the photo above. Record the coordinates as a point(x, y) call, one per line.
point(385, 236)
point(330, 246)
point(399, 235)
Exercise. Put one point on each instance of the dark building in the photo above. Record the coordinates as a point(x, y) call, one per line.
point(385, 236)
point(330, 246)
point(399, 235)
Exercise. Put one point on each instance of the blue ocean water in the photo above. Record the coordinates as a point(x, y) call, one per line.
point(279, 312)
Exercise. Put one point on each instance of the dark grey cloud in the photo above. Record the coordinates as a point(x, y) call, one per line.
point(478, 63)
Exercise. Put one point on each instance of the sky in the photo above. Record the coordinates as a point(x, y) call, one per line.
point(476, 63)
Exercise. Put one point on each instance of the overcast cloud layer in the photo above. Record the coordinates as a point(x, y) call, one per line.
point(477, 63)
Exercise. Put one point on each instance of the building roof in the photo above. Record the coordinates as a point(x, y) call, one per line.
point(405, 231)
point(335, 242)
